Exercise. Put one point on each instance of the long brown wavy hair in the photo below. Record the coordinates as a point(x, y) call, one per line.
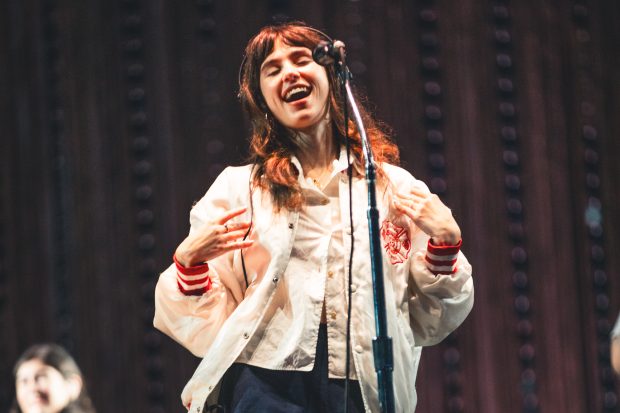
point(271, 144)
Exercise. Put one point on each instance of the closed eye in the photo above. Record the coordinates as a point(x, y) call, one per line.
point(304, 61)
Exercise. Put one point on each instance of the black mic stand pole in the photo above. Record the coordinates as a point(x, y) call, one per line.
point(382, 343)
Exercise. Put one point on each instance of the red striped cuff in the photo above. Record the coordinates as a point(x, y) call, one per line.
point(441, 259)
point(193, 280)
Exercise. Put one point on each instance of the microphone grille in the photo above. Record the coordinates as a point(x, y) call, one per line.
point(322, 53)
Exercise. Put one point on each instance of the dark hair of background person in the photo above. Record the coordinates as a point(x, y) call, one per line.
point(271, 145)
point(57, 357)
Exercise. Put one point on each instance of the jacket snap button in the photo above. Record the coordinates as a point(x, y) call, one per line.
point(246, 335)
point(275, 280)
point(290, 226)
point(353, 288)
point(358, 349)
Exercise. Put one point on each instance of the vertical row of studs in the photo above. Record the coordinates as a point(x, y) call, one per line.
point(431, 76)
point(211, 77)
point(134, 55)
point(593, 208)
point(504, 61)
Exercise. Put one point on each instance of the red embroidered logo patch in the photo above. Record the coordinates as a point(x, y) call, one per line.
point(396, 240)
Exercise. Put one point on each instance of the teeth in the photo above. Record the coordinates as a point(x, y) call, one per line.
point(295, 90)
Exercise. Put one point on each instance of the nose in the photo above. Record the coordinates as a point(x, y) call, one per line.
point(290, 73)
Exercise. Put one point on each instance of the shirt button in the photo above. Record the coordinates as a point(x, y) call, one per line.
point(358, 349)
point(333, 315)
point(290, 226)
point(353, 288)
point(330, 274)
point(246, 335)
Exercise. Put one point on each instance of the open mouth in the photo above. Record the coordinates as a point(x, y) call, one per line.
point(297, 93)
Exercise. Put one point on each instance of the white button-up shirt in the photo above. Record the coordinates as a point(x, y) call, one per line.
point(315, 275)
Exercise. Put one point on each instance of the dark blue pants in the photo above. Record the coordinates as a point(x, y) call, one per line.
point(248, 389)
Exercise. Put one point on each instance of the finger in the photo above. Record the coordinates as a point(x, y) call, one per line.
point(237, 245)
point(407, 200)
point(407, 209)
point(411, 197)
point(401, 195)
point(233, 235)
point(411, 202)
point(236, 226)
point(419, 199)
point(230, 214)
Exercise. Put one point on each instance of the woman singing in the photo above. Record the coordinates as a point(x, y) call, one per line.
point(258, 288)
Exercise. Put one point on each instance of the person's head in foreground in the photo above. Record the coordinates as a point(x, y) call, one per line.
point(48, 380)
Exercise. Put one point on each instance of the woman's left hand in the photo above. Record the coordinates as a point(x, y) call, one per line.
point(430, 214)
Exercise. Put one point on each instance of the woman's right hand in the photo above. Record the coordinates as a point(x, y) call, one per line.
point(215, 239)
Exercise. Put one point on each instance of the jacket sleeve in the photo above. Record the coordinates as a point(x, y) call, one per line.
point(194, 321)
point(439, 302)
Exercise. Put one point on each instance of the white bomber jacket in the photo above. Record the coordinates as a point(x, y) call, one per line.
point(422, 308)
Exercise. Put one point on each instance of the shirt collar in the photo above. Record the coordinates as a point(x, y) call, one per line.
point(339, 164)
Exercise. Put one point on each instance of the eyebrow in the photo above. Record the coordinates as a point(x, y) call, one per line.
point(298, 51)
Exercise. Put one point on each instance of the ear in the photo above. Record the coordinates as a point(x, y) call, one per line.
point(74, 386)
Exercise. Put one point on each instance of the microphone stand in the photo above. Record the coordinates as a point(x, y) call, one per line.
point(382, 343)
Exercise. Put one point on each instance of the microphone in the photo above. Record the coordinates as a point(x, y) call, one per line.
point(327, 53)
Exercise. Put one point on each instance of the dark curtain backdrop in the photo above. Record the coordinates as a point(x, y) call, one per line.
point(117, 115)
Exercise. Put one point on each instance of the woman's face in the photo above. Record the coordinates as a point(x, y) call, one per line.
point(294, 87)
point(43, 389)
